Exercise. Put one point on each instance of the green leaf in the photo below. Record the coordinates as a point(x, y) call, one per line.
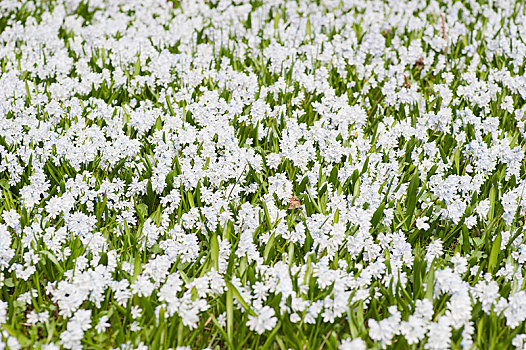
point(267, 216)
point(411, 199)
point(190, 199)
point(303, 184)
point(268, 247)
point(137, 266)
point(230, 315)
point(9, 283)
point(457, 160)
point(365, 166)
point(214, 252)
point(53, 259)
point(417, 277)
point(494, 255)
point(276, 20)
point(142, 210)
point(137, 67)
point(492, 199)
point(271, 336)
point(356, 189)
point(222, 331)
point(430, 283)
point(378, 215)
point(5, 184)
point(239, 298)
point(333, 177)
point(158, 123)
point(465, 239)
point(22, 339)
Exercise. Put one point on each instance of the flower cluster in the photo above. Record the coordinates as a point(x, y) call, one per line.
point(203, 174)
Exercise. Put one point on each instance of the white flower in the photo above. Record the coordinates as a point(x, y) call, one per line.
point(470, 222)
point(483, 208)
point(439, 335)
point(134, 326)
point(6, 252)
point(461, 264)
point(103, 324)
point(354, 344)
point(515, 313)
point(264, 320)
point(421, 223)
point(434, 250)
point(3, 311)
point(81, 320)
point(11, 218)
point(519, 342)
point(136, 311)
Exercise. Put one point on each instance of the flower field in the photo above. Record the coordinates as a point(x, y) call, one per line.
point(262, 174)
